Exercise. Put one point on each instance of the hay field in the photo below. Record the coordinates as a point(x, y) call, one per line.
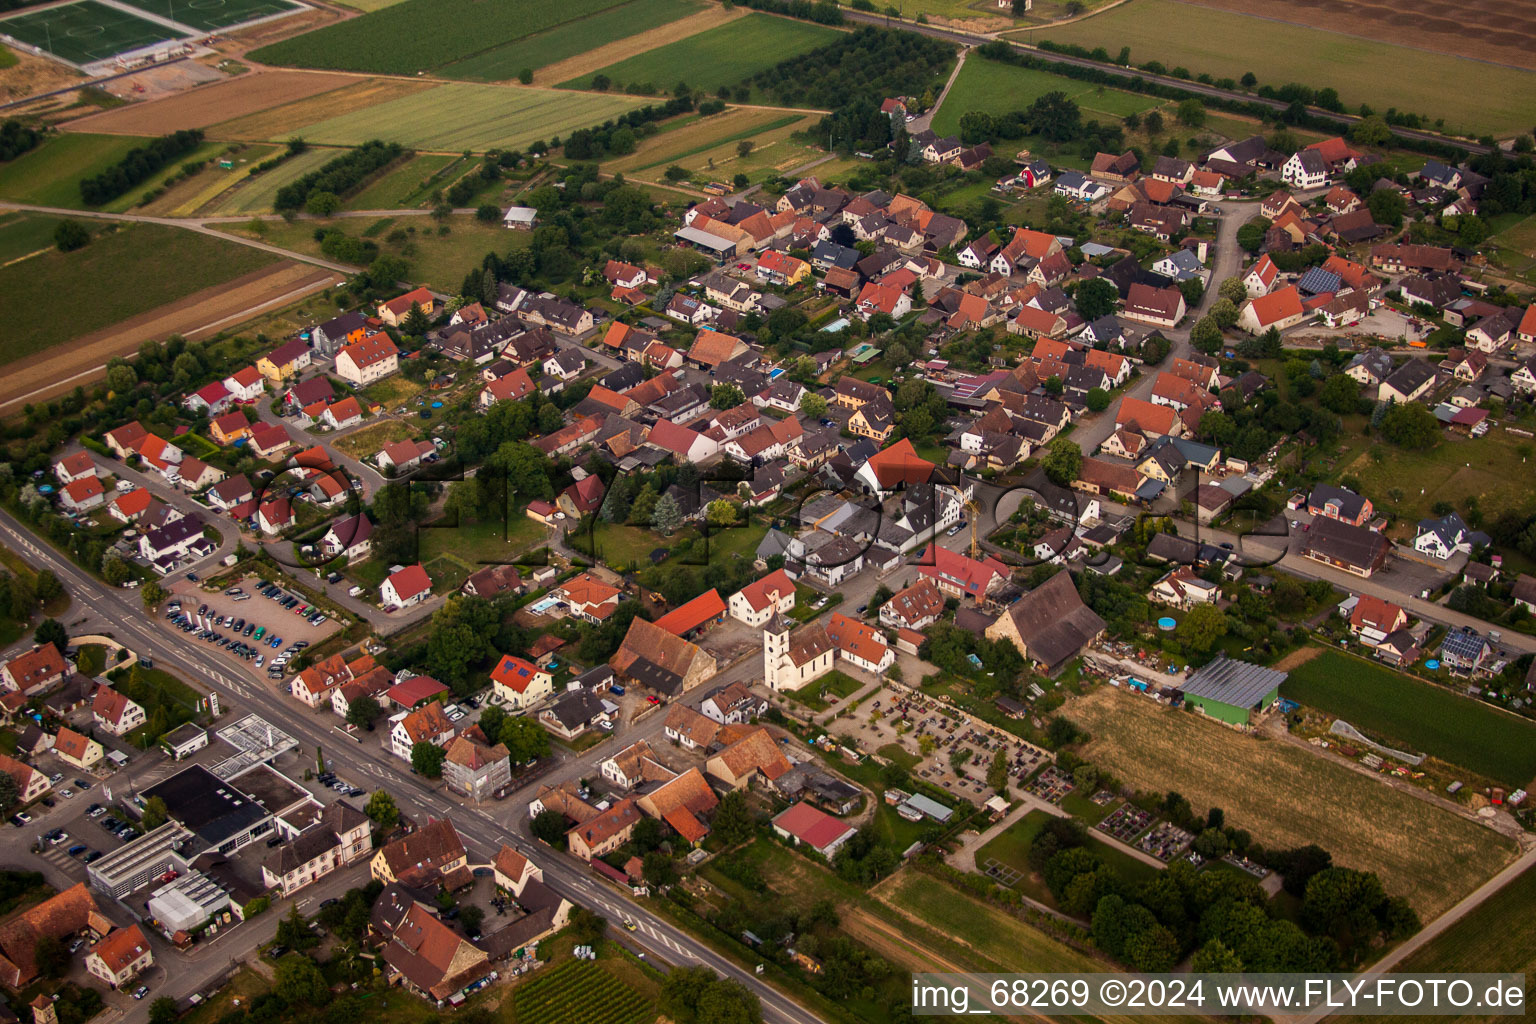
point(714, 138)
point(1285, 796)
point(573, 38)
point(994, 88)
point(284, 120)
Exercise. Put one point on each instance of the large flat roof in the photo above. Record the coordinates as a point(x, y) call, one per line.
point(1233, 682)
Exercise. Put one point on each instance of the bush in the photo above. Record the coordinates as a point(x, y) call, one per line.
point(71, 235)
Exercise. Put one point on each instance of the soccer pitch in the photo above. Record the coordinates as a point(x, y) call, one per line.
point(208, 15)
point(86, 31)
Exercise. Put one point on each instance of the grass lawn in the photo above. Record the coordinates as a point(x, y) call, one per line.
point(628, 546)
point(1431, 720)
point(900, 755)
point(139, 285)
point(569, 39)
point(814, 694)
point(1516, 248)
point(1286, 797)
point(1085, 810)
point(408, 185)
point(50, 174)
point(437, 260)
point(167, 701)
point(997, 88)
point(723, 56)
point(473, 546)
point(1011, 848)
point(1460, 467)
point(1496, 937)
point(1472, 97)
point(367, 441)
point(91, 659)
point(255, 194)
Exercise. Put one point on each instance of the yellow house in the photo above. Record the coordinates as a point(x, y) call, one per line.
point(284, 361)
point(76, 749)
point(874, 421)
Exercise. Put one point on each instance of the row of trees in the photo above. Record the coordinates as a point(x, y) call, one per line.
point(137, 165)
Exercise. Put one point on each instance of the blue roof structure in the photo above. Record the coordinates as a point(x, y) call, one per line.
point(1317, 281)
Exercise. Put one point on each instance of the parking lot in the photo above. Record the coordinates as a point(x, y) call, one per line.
point(237, 614)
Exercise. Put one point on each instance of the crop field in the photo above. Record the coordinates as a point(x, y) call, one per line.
point(138, 284)
point(580, 992)
point(995, 88)
point(1425, 717)
point(285, 119)
point(25, 234)
point(453, 118)
point(569, 39)
point(1496, 936)
point(208, 188)
point(256, 194)
point(1473, 97)
point(212, 103)
point(708, 146)
point(50, 174)
point(419, 35)
point(86, 31)
point(1286, 796)
point(411, 183)
point(208, 15)
point(724, 56)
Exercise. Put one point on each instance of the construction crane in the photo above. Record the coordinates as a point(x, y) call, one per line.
point(973, 510)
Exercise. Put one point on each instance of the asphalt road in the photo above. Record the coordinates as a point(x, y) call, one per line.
point(483, 829)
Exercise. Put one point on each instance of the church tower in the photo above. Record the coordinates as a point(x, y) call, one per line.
point(776, 662)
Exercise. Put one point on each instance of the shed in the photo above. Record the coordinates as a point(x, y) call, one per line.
point(1233, 691)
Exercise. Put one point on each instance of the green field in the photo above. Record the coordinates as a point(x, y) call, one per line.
point(453, 118)
point(137, 284)
point(86, 31)
point(1472, 96)
point(581, 992)
point(1011, 849)
point(50, 174)
point(718, 57)
point(23, 234)
point(572, 38)
point(207, 15)
point(995, 88)
point(1425, 717)
point(255, 195)
point(418, 35)
point(408, 185)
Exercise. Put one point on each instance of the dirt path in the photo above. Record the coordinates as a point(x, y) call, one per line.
point(623, 49)
point(62, 368)
point(1297, 658)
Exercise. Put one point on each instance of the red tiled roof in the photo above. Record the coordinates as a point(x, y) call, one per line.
point(694, 614)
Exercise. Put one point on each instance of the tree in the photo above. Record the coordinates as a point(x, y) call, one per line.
point(1063, 460)
point(1055, 117)
point(1410, 425)
point(299, 982)
point(163, 1011)
point(667, 516)
point(1339, 393)
point(997, 772)
point(725, 396)
point(152, 593)
point(1370, 131)
point(813, 405)
point(733, 819)
point(695, 995)
point(362, 711)
point(1097, 399)
point(51, 631)
point(322, 204)
point(1224, 312)
point(382, 810)
point(720, 512)
point(744, 147)
point(114, 570)
point(1215, 957)
point(155, 814)
point(524, 739)
point(1233, 290)
point(1206, 336)
point(71, 235)
point(51, 957)
point(549, 826)
point(1201, 627)
point(525, 76)
point(1387, 207)
point(1153, 123)
point(1095, 298)
point(1020, 8)
point(1251, 235)
point(9, 791)
point(1192, 288)
point(1191, 112)
point(427, 759)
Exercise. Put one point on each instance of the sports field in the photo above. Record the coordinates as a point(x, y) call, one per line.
point(418, 35)
point(1430, 720)
point(1286, 796)
point(574, 37)
point(723, 56)
point(207, 15)
point(1472, 96)
point(453, 118)
point(995, 88)
point(86, 31)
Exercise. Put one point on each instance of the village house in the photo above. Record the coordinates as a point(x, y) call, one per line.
point(366, 361)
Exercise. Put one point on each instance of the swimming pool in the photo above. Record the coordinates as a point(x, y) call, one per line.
point(776, 373)
point(543, 606)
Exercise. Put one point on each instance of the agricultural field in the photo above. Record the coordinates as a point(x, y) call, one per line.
point(50, 174)
point(1472, 97)
point(567, 40)
point(255, 194)
point(286, 119)
point(86, 31)
point(25, 234)
point(420, 35)
point(1496, 937)
point(439, 261)
point(138, 285)
point(410, 184)
point(1426, 718)
point(208, 187)
point(212, 103)
point(210, 15)
point(582, 992)
point(1515, 249)
point(1286, 796)
point(708, 147)
point(724, 56)
point(1461, 468)
point(457, 117)
point(995, 88)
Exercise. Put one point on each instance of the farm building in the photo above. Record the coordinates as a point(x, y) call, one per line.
point(1233, 691)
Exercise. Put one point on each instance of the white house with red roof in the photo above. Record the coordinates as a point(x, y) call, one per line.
point(246, 385)
point(588, 597)
point(684, 444)
point(74, 467)
point(1261, 277)
point(959, 575)
point(210, 398)
point(875, 297)
point(399, 307)
point(520, 683)
point(343, 414)
point(406, 586)
point(1279, 309)
point(82, 495)
point(758, 601)
point(802, 824)
point(366, 361)
point(114, 712)
point(275, 516)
